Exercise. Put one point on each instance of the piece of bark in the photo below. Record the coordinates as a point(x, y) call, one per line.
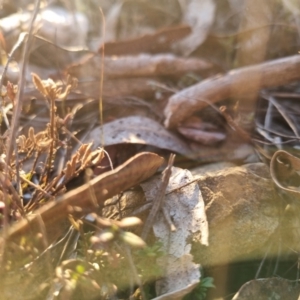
point(239, 83)
point(144, 65)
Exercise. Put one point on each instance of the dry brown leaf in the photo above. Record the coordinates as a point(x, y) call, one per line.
point(138, 130)
point(148, 43)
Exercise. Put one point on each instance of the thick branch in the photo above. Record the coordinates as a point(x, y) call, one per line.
point(240, 82)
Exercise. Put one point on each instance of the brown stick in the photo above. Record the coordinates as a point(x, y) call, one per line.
point(142, 65)
point(55, 213)
point(158, 200)
point(243, 81)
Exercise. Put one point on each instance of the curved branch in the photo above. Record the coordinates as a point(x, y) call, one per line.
point(236, 83)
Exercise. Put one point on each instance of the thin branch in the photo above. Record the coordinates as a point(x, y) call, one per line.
point(157, 202)
point(17, 111)
point(21, 84)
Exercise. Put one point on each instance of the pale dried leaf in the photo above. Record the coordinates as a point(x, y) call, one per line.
point(186, 208)
point(199, 14)
point(82, 150)
point(87, 161)
point(138, 130)
point(86, 156)
point(98, 158)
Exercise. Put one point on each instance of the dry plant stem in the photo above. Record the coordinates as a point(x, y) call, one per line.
point(37, 187)
point(236, 83)
point(37, 155)
point(54, 214)
point(17, 110)
point(251, 29)
point(45, 242)
point(102, 50)
point(280, 109)
point(20, 42)
point(53, 137)
point(241, 132)
point(7, 186)
point(135, 272)
point(157, 202)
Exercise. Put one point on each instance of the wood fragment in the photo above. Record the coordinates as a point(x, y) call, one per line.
point(237, 83)
point(142, 65)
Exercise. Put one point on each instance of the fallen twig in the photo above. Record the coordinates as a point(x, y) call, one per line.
point(143, 65)
point(157, 202)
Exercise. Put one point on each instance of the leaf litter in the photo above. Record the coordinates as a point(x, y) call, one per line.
point(143, 61)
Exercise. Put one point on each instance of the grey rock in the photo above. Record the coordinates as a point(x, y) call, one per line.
point(242, 210)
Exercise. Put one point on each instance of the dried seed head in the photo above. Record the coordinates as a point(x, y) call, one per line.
point(129, 222)
point(132, 239)
point(44, 145)
point(31, 136)
point(39, 84)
